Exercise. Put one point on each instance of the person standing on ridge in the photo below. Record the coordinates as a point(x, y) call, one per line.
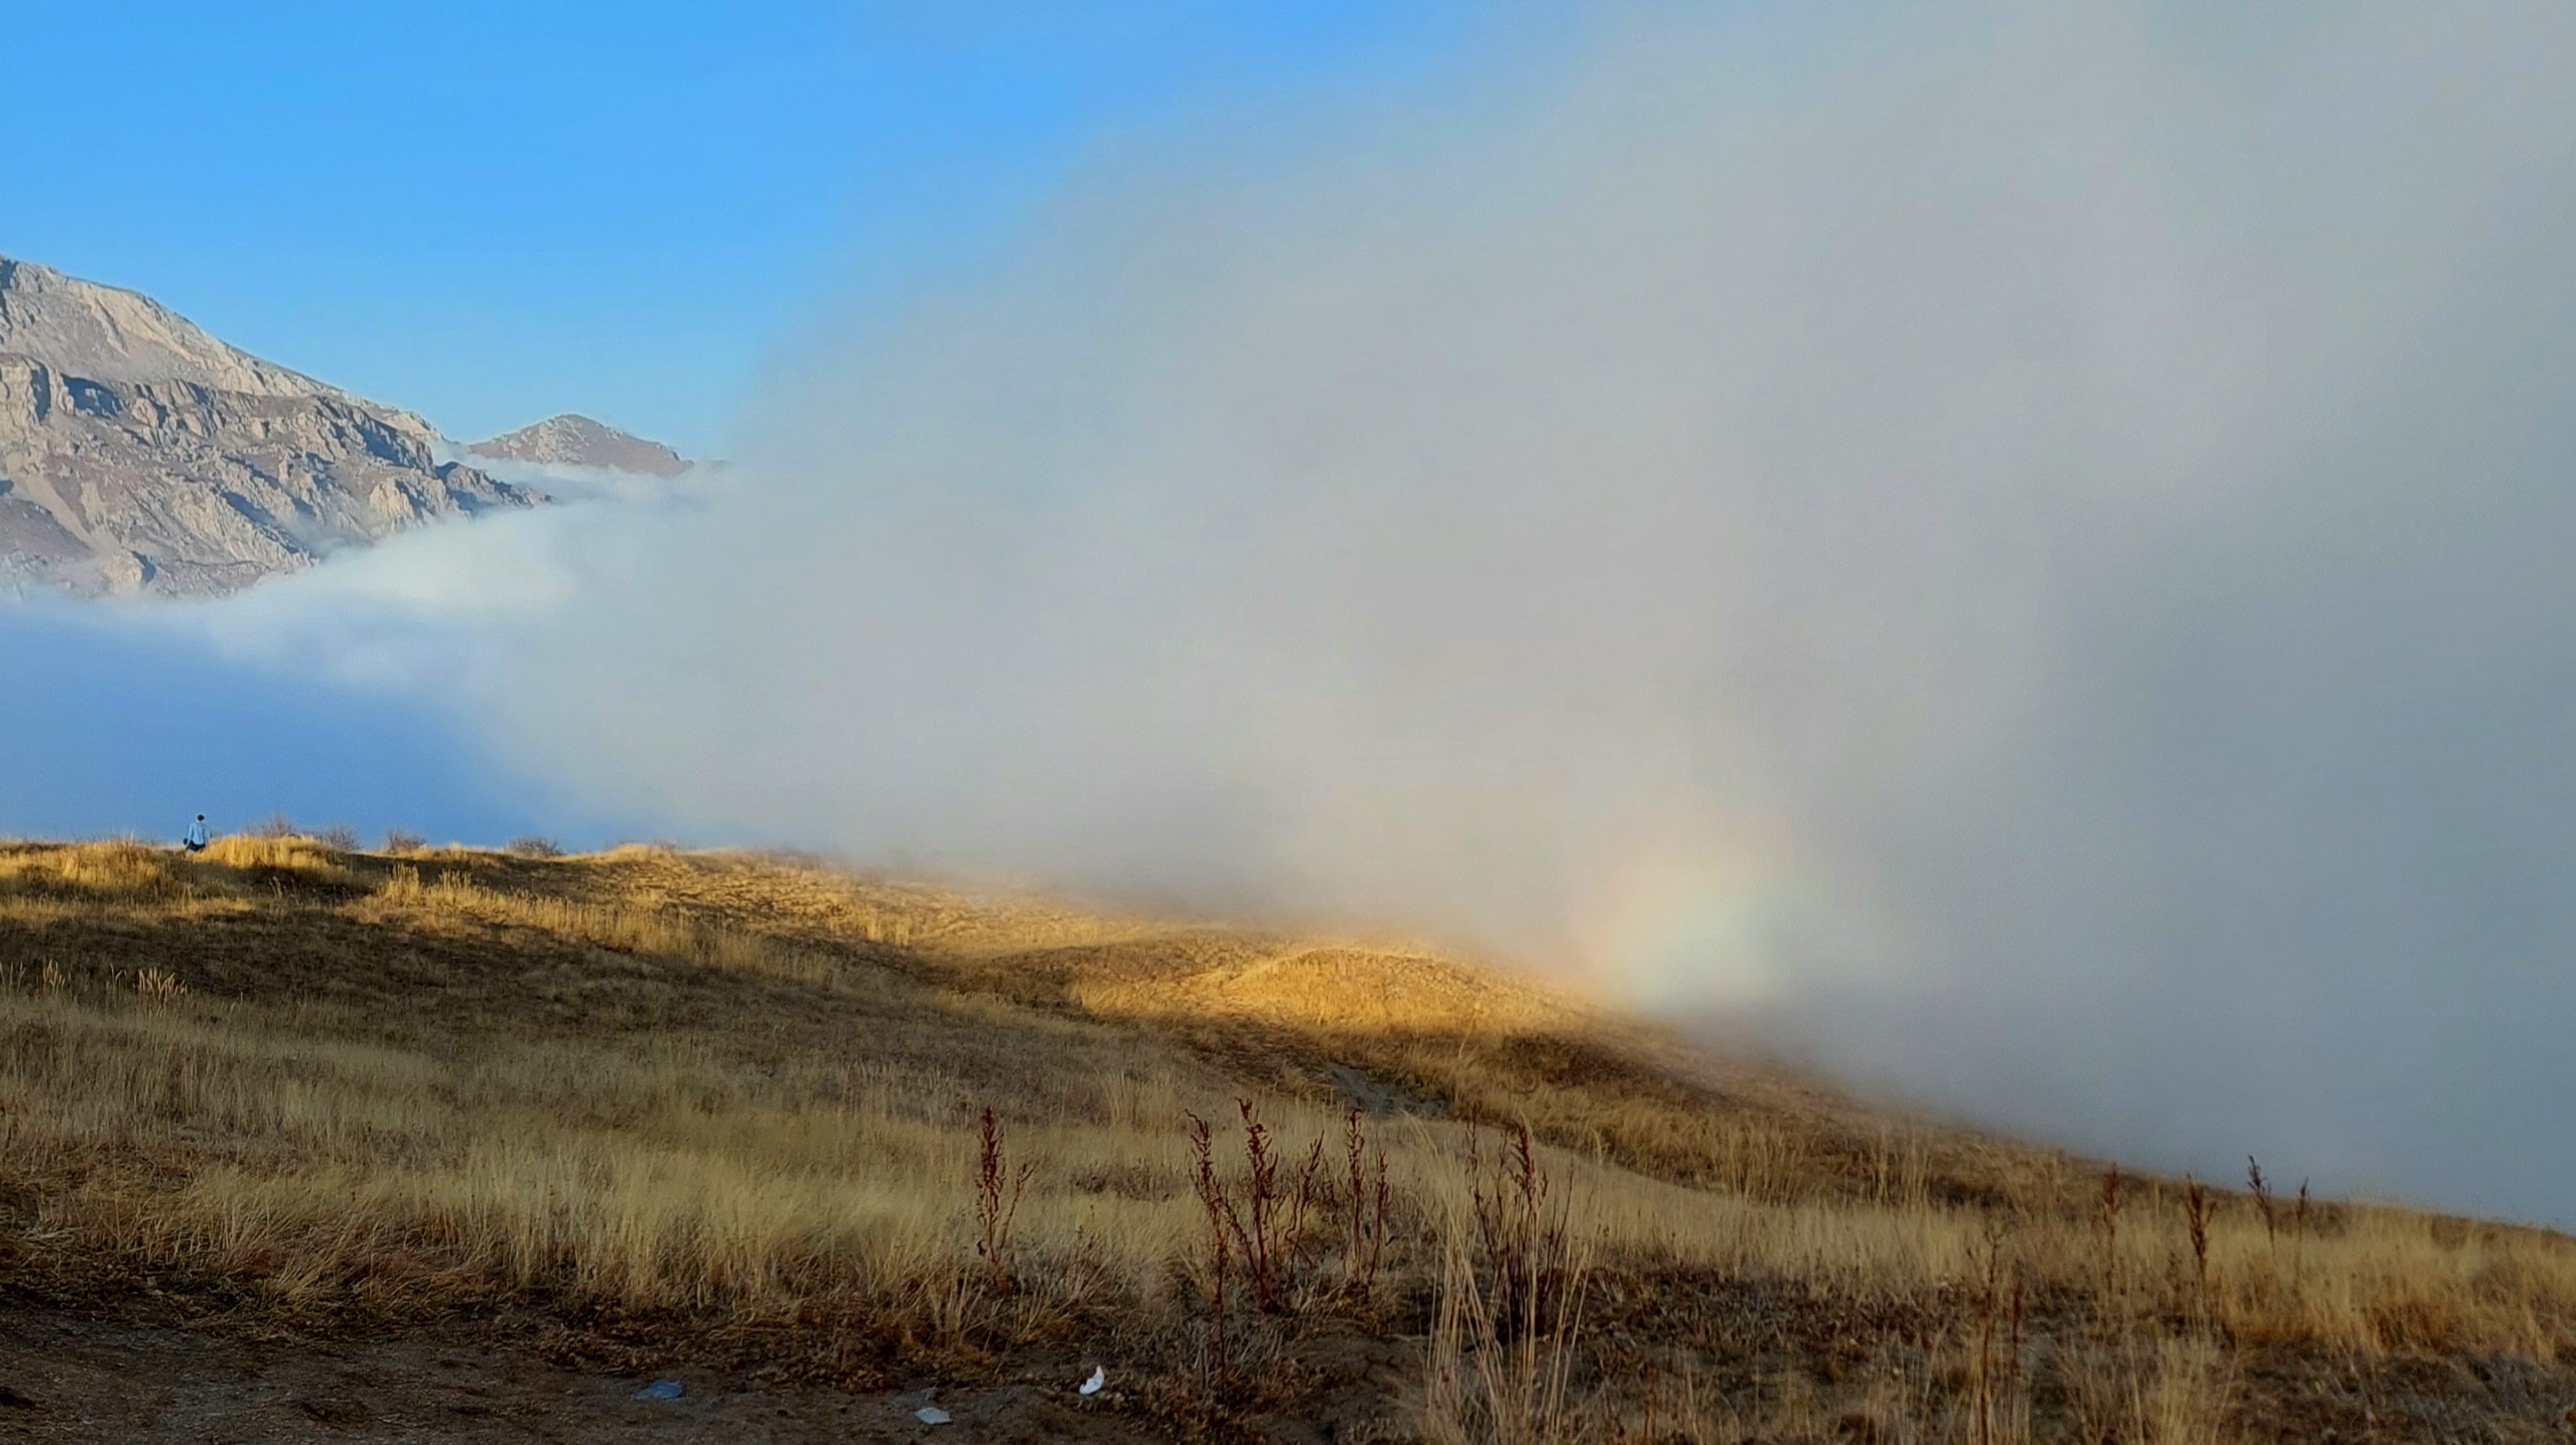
point(195, 842)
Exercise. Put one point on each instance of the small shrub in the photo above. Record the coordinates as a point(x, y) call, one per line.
point(533, 846)
point(340, 836)
point(400, 841)
point(275, 825)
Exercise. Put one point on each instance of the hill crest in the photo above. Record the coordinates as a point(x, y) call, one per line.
point(573, 440)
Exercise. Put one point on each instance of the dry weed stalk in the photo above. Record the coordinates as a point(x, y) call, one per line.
point(2195, 1204)
point(997, 1202)
point(1267, 1241)
point(1522, 1235)
point(1510, 1311)
point(2107, 1213)
point(2299, 1236)
point(2261, 1189)
point(1999, 1332)
point(2012, 1361)
point(1219, 1212)
point(1983, 1376)
point(1356, 1154)
point(1368, 1245)
point(1310, 1189)
point(1261, 1189)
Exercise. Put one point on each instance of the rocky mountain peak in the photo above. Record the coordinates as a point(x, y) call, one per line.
point(140, 454)
point(578, 441)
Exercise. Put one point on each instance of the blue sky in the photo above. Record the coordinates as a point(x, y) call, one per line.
point(123, 731)
point(490, 212)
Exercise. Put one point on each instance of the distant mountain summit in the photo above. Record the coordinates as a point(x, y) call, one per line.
point(138, 453)
point(577, 441)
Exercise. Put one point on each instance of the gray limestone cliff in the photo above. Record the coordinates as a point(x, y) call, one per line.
point(139, 454)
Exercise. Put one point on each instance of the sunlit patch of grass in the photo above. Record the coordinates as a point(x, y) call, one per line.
point(117, 868)
point(288, 855)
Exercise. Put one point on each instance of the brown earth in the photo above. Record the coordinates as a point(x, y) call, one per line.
point(129, 1377)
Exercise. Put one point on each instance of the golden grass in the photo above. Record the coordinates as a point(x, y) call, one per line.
point(717, 1090)
point(115, 869)
point(287, 854)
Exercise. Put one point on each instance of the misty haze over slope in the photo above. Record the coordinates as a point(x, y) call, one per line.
point(2028, 555)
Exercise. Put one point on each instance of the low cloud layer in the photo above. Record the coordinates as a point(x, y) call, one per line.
point(2024, 554)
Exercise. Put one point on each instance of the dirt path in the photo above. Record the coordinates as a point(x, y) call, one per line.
point(73, 1379)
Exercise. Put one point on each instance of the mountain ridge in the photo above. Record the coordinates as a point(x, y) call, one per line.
point(116, 334)
point(176, 488)
point(139, 453)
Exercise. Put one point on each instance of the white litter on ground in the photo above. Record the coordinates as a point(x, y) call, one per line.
point(931, 1415)
point(1099, 1377)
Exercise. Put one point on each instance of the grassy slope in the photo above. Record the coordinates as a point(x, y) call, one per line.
point(651, 1107)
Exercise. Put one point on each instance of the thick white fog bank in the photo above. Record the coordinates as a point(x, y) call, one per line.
point(2026, 552)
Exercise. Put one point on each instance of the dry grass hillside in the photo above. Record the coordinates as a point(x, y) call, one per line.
point(648, 1109)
